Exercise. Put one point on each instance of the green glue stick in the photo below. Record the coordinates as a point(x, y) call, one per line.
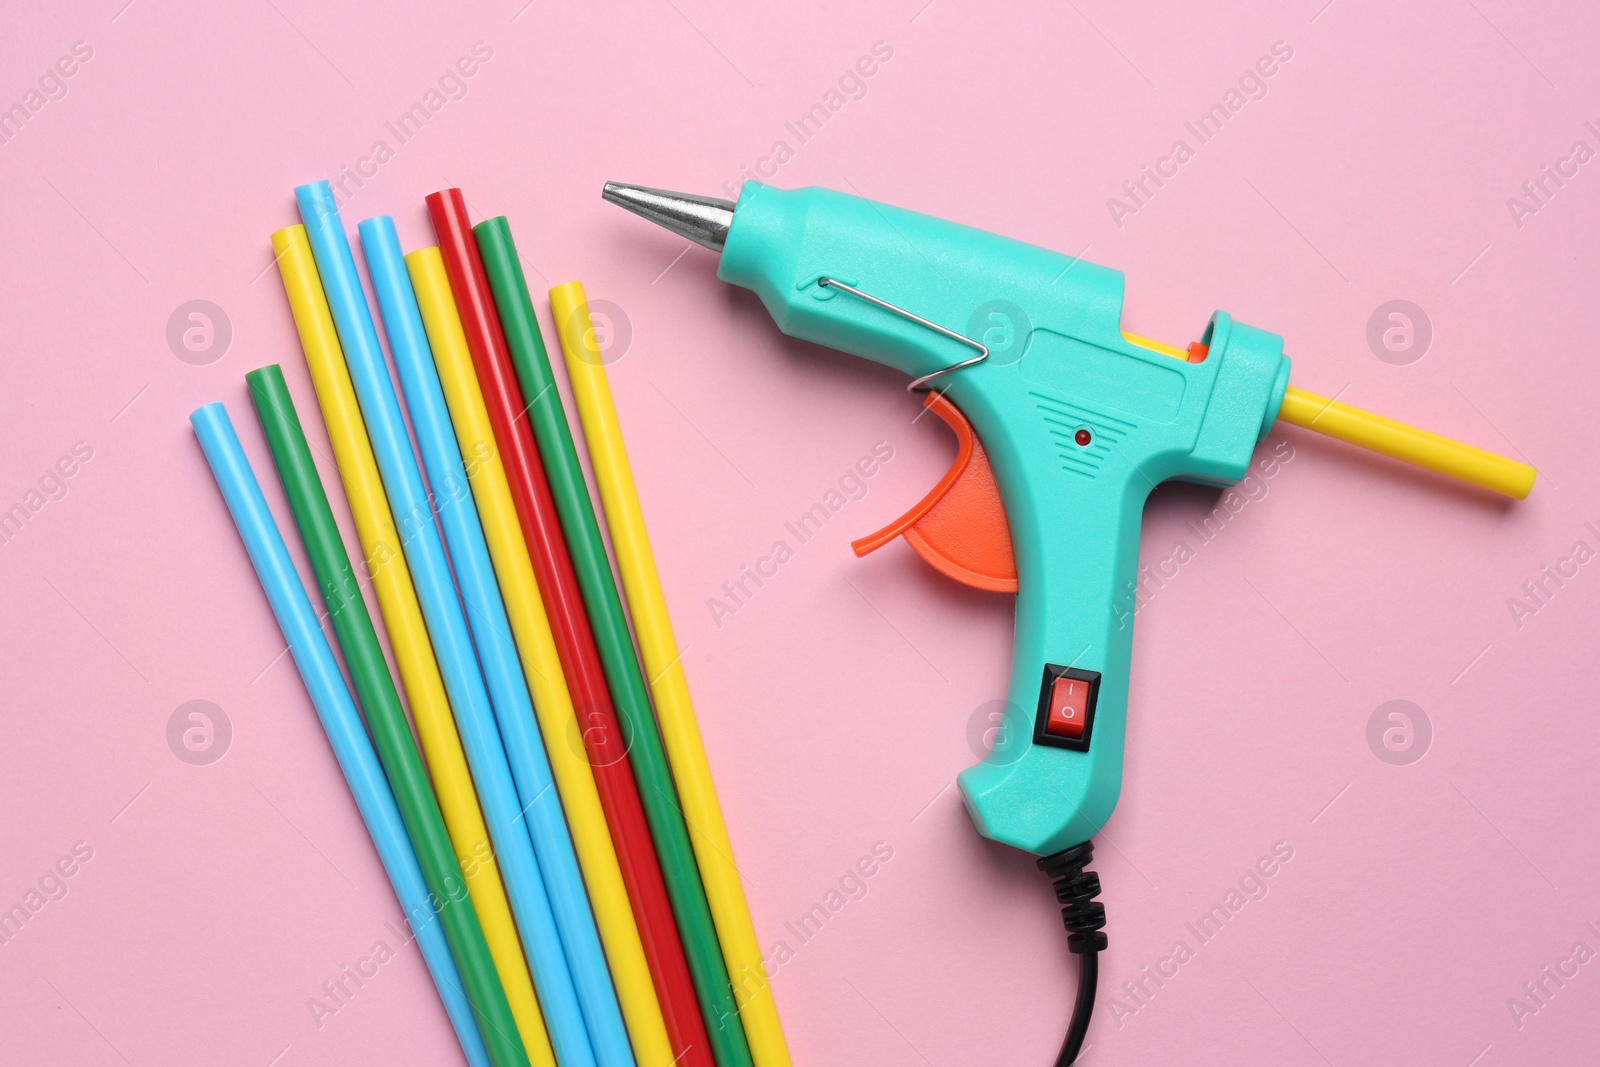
point(380, 702)
point(559, 454)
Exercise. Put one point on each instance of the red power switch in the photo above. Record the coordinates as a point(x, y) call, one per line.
point(1066, 707)
point(1069, 707)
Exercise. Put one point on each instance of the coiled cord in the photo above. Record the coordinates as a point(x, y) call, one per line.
point(1084, 917)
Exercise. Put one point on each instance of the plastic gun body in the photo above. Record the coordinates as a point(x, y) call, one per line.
point(1079, 425)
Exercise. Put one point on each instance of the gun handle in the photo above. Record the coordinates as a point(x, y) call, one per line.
point(1053, 775)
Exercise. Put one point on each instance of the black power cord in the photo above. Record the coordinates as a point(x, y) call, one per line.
point(1084, 917)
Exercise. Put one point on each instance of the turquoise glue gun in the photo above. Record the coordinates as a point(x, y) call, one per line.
point(1064, 422)
point(1076, 419)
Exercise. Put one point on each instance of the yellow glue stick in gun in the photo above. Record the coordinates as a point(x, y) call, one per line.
point(1064, 423)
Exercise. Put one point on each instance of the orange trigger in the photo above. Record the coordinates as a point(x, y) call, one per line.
point(960, 526)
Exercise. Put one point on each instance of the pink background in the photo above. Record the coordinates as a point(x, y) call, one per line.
point(840, 702)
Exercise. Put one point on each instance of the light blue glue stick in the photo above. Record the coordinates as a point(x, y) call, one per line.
point(336, 708)
point(447, 627)
point(491, 631)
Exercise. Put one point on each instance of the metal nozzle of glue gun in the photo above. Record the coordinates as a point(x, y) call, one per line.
point(1062, 433)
